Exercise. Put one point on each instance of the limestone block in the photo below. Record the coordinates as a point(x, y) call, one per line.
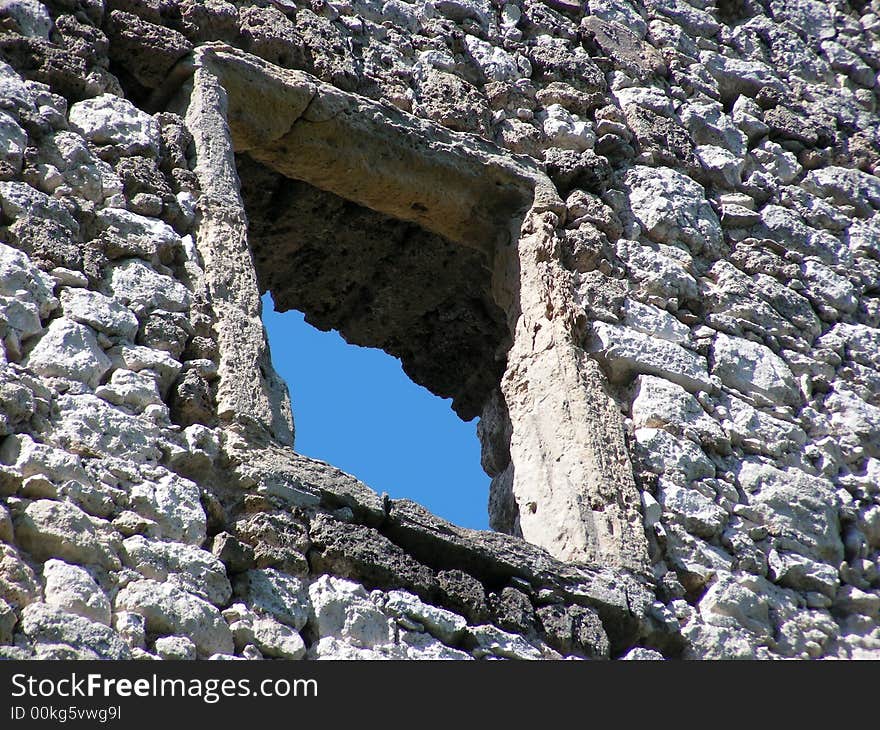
point(50, 529)
point(341, 609)
point(70, 588)
point(440, 623)
point(110, 119)
point(185, 566)
point(176, 648)
point(278, 640)
point(672, 208)
point(20, 279)
point(174, 504)
point(753, 369)
point(663, 453)
point(86, 421)
point(270, 592)
point(141, 288)
point(627, 351)
point(58, 634)
point(99, 312)
point(799, 510)
point(18, 584)
point(69, 350)
point(168, 610)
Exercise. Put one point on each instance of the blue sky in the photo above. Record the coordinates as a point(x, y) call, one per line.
point(355, 408)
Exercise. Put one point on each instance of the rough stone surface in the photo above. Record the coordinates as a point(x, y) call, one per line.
point(639, 241)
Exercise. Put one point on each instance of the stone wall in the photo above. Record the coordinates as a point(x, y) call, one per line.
point(689, 289)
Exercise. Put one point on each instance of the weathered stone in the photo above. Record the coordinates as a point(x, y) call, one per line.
point(185, 566)
point(99, 312)
point(271, 592)
point(672, 208)
point(88, 425)
point(277, 640)
point(50, 529)
point(445, 625)
point(108, 119)
point(142, 289)
point(342, 610)
point(71, 589)
point(69, 350)
point(173, 503)
point(362, 553)
point(75, 637)
point(798, 509)
point(627, 352)
point(18, 584)
point(492, 641)
point(168, 610)
point(175, 648)
point(753, 369)
point(574, 630)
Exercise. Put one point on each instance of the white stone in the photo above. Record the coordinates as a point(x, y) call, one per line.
point(759, 431)
point(13, 140)
point(87, 421)
point(21, 316)
point(444, 625)
point(660, 403)
point(671, 207)
point(18, 199)
point(133, 390)
point(656, 322)
point(697, 514)
point(791, 233)
point(723, 168)
point(828, 289)
point(777, 161)
point(276, 594)
point(738, 603)
point(796, 571)
point(69, 350)
point(800, 510)
point(57, 634)
point(710, 126)
point(188, 567)
point(176, 648)
point(854, 422)
point(141, 288)
point(99, 312)
point(72, 589)
point(139, 359)
point(32, 458)
point(54, 529)
point(565, 130)
point(847, 186)
point(278, 640)
point(648, 97)
point(31, 17)
point(173, 503)
point(492, 641)
point(754, 369)
point(333, 649)
point(168, 610)
point(342, 610)
point(20, 279)
point(150, 234)
point(109, 119)
point(657, 269)
point(663, 453)
point(496, 63)
point(627, 351)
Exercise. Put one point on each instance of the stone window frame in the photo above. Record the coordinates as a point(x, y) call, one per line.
point(568, 483)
